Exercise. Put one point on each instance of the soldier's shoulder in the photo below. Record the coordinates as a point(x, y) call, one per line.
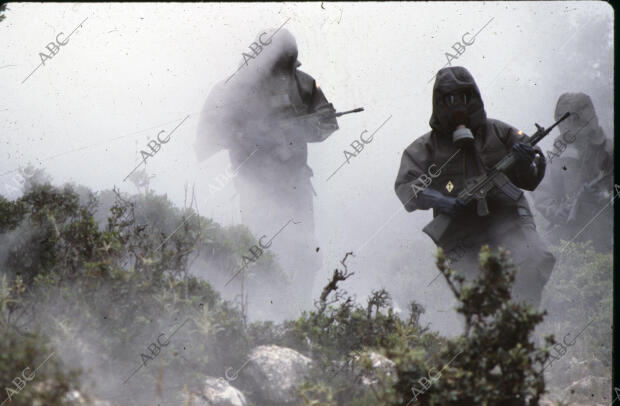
point(217, 95)
point(498, 124)
point(421, 143)
point(219, 90)
point(306, 82)
point(501, 128)
point(304, 77)
point(426, 137)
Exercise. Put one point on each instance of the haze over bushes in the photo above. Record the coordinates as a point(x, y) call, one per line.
point(97, 277)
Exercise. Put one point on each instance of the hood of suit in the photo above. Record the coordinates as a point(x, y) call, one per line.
point(582, 124)
point(275, 54)
point(444, 119)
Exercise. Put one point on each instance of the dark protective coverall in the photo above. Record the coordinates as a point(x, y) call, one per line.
point(564, 198)
point(245, 116)
point(510, 223)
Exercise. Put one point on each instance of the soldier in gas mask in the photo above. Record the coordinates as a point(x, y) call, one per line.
point(252, 116)
point(580, 180)
point(464, 143)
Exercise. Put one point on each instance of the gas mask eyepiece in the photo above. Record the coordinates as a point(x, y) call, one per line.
point(455, 99)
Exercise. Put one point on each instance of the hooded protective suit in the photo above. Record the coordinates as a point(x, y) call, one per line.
point(573, 209)
point(510, 223)
point(267, 87)
point(247, 115)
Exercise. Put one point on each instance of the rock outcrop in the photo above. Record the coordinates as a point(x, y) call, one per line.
point(273, 374)
point(216, 392)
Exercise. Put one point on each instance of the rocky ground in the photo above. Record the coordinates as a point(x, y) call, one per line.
point(579, 383)
point(272, 374)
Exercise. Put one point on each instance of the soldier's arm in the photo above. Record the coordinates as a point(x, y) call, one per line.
point(317, 129)
point(216, 126)
point(413, 164)
point(526, 177)
point(324, 127)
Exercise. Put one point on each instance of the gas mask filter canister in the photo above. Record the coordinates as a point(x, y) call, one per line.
point(462, 136)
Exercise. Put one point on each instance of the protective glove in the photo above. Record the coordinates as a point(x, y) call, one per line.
point(526, 157)
point(318, 128)
point(430, 198)
point(523, 153)
point(312, 122)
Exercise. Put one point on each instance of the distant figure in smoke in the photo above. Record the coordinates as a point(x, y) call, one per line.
point(459, 121)
point(580, 181)
point(252, 116)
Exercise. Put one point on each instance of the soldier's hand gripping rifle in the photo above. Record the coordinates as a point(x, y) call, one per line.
point(479, 187)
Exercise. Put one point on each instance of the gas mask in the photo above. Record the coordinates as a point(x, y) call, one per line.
point(285, 64)
point(457, 106)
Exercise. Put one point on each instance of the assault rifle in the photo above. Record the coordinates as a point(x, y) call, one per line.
point(270, 124)
point(322, 115)
point(276, 133)
point(479, 187)
point(288, 122)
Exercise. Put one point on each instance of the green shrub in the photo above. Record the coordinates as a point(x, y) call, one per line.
point(31, 372)
point(493, 363)
point(579, 293)
point(110, 292)
point(107, 290)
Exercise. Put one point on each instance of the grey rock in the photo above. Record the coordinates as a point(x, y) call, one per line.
point(572, 370)
point(76, 398)
point(216, 392)
point(275, 373)
point(370, 365)
point(590, 390)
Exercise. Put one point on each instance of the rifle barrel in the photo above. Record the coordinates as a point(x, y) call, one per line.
point(357, 110)
point(540, 134)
